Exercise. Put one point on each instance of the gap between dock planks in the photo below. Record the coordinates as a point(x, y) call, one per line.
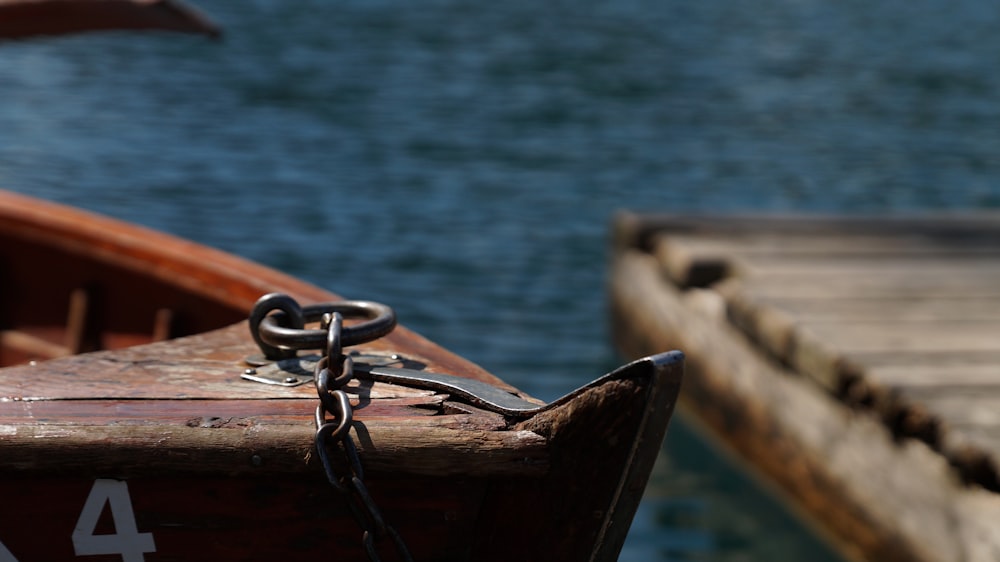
point(900, 316)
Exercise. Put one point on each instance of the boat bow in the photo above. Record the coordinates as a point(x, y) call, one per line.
point(461, 463)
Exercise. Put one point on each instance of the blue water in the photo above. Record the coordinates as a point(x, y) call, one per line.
point(461, 161)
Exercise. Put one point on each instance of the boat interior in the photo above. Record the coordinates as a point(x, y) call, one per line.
point(56, 302)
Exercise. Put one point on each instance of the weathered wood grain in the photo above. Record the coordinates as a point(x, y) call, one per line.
point(185, 398)
point(201, 412)
point(248, 445)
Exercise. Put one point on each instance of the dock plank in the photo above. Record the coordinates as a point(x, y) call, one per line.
point(953, 336)
point(960, 373)
point(898, 309)
point(688, 259)
point(962, 405)
point(763, 244)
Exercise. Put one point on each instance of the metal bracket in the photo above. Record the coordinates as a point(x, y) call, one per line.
point(476, 393)
point(390, 369)
point(296, 371)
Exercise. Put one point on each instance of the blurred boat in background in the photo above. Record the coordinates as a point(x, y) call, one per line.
point(20, 19)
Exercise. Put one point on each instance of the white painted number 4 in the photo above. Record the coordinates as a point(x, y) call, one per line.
point(127, 540)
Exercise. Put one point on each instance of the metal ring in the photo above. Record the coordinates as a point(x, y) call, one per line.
point(381, 321)
point(290, 313)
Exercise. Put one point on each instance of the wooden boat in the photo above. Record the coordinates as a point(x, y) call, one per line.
point(132, 425)
point(21, 19)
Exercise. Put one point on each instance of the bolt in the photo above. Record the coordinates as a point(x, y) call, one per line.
point(290, 380)
point(256, 460)
point(250, 371)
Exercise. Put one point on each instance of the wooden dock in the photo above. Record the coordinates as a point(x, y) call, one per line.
point(856, 361)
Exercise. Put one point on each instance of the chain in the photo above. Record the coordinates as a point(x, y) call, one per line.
point(333, 371)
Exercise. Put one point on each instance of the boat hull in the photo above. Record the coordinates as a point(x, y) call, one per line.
point(163, 451)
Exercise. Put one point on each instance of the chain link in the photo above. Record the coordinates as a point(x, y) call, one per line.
point(333, 435)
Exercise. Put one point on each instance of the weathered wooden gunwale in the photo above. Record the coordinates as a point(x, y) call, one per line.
point(210, 459)
point(855, 360)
